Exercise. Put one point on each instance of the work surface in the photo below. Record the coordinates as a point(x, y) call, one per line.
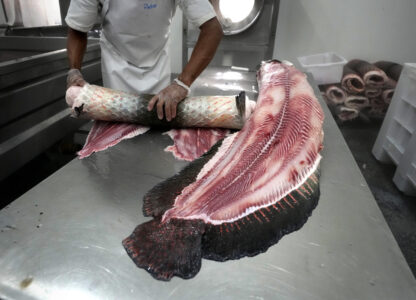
point(62, 239)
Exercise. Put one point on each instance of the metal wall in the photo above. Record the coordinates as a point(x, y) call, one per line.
point(33, 111)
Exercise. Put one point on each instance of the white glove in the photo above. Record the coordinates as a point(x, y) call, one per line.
point(74, 78)
point(169, 97)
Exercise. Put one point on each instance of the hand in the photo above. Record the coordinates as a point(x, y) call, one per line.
point(169, 97)
point(74, 78)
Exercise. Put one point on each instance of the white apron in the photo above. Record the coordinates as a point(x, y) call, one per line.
point(134, 44)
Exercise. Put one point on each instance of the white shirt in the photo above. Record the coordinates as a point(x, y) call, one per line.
point(135, 37)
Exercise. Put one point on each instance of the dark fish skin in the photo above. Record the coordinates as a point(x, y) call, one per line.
point(167, 249)
point(392, 69)
point(176, 247)
point(361, 66)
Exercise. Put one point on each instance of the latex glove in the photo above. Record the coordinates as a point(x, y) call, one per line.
point(74, 78)
point(168, 98)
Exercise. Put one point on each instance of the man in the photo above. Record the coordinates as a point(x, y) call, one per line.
point(134, 46)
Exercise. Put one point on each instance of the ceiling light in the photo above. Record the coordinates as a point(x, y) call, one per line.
point(236, 11)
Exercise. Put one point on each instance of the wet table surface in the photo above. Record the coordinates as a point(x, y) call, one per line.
point(62, 239)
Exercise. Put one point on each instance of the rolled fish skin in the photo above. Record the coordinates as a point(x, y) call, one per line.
point(372, 76)
point(387, 95)
point(392, 69)
point(344, 113)
point(352, 81)
point(357, 102)
point(99, 103)
point(373, 92)
point(334, 94)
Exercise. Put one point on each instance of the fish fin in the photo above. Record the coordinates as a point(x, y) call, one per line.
point(256, 232)
point(167, 249)
point(162, 197)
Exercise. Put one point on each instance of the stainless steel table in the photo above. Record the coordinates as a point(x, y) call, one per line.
point(62, 239)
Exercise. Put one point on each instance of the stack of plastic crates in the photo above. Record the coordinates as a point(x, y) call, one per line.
point(396, 140)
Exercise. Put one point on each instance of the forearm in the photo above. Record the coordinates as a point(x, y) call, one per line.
point(76, 45)
point(208, 41)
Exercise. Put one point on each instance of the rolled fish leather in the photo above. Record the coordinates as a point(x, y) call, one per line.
point(99, 103)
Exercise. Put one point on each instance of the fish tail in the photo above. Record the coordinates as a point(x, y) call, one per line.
point(167, 249)
point(240, 100)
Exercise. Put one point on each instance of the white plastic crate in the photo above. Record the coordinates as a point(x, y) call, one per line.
point(405, 176)
point(325, 67)
point(396, 140)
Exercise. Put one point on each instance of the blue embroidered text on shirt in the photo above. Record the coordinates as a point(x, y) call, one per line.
point(150, 6)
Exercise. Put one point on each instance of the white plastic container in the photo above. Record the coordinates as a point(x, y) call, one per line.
point(325, 67)
point(396, 141)
point(405, 176)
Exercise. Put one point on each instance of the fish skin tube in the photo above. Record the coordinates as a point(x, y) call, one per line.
point(99, 103)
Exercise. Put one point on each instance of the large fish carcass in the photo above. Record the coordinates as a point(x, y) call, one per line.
point(246, 192)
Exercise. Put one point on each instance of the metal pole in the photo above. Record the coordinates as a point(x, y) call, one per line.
point(273, 26)
point(184, 41)
point(64, 5)
point(4, 11)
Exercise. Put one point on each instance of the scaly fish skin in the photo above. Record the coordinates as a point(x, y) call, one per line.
point(99, 103)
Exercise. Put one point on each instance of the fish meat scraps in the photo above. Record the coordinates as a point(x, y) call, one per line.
point(246, 192)
point(121, 115)
point(104, 135)
point(191, 143)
